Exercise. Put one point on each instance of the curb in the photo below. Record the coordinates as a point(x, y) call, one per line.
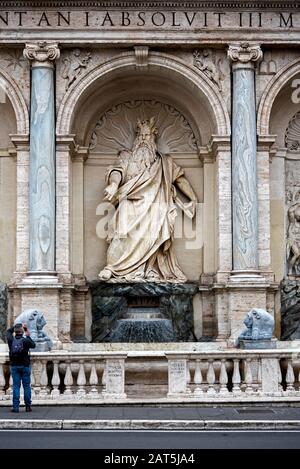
point(27, 424)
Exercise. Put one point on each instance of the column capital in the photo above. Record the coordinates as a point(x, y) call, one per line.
point(244, 54)
point(41, 53)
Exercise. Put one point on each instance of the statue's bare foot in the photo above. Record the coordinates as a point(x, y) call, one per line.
point(105, 274)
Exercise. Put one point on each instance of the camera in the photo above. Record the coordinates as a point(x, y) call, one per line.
point(25, 328)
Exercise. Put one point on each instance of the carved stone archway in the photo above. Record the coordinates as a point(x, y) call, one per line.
point(271, 92)
point(197, 78)
point(11, 89)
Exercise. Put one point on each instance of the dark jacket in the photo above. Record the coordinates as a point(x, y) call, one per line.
point(24, 359)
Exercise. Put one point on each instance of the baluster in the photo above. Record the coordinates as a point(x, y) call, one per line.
point(93, 381)
point(188, 377)
point(259, 376)
point(211, 378)
point(9, 391)
point(2, 382)
point(248, 376)
point(104, 378)
point(279, 376)
point(290, 377)
point(81, 380)
point(32, 382)
point(68, 380)
point(44, 379)
point(55, 381)
point(236, 377)
point(223, 378)
point(198, 378)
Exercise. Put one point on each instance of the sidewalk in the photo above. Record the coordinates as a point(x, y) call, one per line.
point(152, 418)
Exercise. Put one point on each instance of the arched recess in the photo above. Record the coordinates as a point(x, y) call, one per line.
point(171, 65)
point(167, 82)
point(272, 90)
point(277, 113)
point(10, 89)
point(14, 119)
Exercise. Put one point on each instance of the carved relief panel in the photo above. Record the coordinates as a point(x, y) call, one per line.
point(116, 128)
point(292, 141)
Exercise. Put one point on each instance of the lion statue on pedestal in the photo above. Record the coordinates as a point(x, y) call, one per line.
point(35, 322)
point(259, 324)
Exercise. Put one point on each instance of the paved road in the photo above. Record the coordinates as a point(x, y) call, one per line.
point(147, 440)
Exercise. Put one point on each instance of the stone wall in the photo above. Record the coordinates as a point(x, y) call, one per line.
point(3, 311)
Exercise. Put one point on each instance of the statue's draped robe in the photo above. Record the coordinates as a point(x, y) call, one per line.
point(141, 230)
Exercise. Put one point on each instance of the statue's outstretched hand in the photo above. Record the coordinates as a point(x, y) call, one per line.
point(110, 191)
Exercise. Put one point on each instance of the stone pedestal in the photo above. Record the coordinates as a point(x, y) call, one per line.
point(242, 298)
point(177, 376)
point(115, 378)
point(45, 297)
point(270, 373)
point(257, 344)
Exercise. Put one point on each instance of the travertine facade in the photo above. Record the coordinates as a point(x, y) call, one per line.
point(223, 85)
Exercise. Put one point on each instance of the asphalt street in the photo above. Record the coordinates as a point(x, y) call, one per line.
point(147, 440)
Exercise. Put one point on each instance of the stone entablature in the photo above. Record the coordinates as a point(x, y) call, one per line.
point(183, 21)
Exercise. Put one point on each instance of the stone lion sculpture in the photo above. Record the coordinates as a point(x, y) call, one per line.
point(35, 321)
point(259, 325)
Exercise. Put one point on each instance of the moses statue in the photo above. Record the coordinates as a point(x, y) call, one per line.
point(143, 187)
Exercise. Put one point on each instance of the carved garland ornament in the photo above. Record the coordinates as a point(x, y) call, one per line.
point(116, 126)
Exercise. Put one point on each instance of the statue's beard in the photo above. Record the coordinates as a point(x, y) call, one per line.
point(144, 154)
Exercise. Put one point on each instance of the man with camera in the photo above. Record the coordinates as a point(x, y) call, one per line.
point(19, 343)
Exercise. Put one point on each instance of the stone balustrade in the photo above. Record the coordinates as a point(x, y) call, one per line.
point(70, 378)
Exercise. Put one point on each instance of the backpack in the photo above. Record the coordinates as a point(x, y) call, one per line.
point(17, 348)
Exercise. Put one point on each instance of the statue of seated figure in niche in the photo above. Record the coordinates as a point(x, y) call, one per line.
point(142, 186)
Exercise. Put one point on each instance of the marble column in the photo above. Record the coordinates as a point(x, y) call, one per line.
point(42, 158)
point(244, 165)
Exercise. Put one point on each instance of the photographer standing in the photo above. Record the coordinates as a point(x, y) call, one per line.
point(20, 363)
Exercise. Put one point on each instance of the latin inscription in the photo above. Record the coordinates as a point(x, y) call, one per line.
point(148, 19)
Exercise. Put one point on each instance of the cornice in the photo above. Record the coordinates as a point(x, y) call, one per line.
point(155, 4)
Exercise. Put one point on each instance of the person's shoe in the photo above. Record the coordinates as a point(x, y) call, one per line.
point(28, 408)
point(15, 410)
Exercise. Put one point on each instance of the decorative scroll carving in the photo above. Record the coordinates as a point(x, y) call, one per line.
point(292, 134)
point(74, 65)
point(244, 53)
point(293, 231)
point(41, 52)
point(204, 60)
point(116, 126)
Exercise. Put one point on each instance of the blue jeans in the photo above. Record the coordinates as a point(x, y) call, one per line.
point(21, 374)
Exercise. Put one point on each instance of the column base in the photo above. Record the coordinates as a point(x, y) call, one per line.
point(247, 276)
point(37, 278)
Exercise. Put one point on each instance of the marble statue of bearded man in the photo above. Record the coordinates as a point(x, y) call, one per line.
point(142, 186)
